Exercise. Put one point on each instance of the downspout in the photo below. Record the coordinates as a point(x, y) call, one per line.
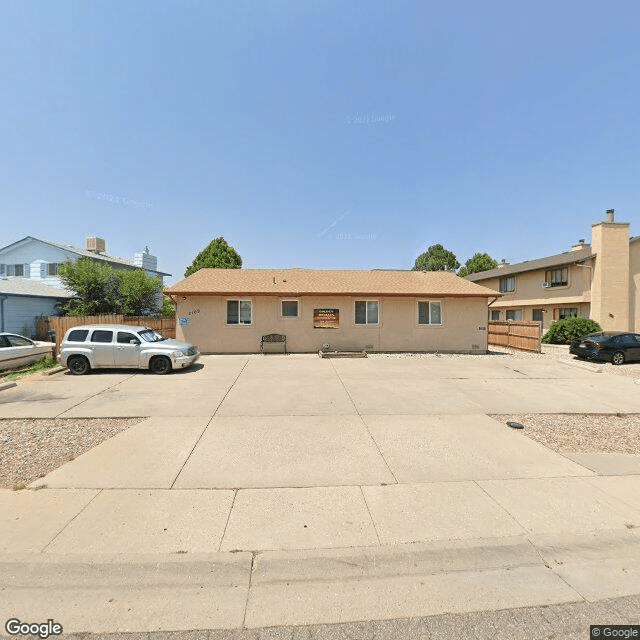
point(2, 299)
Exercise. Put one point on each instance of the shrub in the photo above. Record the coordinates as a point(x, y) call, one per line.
point(564, 331)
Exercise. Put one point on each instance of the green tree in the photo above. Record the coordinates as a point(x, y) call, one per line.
point(95, 288)
point(436, 258)
point(102, 290)
point(139, 294)
point(478, 262)
point(216, 255)
point(168, 309)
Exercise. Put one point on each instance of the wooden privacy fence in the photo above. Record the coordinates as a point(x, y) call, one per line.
point(516, 334)
point(59, 325)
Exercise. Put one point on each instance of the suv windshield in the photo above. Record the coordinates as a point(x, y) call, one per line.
point(149, 335)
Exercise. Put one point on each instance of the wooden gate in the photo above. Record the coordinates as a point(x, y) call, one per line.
point(516, 334)
point(59, 325)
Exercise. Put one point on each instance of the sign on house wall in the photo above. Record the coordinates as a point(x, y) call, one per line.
point(326, 318)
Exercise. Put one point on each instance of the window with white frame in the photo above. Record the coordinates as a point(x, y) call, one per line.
point(514, 314)
point(507, 284)
point(239, 312)
point(429, 312)
point(366, 312)
point(289, 308)
point(495, 314)
point(52, 268)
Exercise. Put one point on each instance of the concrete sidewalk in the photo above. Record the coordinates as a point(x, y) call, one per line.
point(279, 492)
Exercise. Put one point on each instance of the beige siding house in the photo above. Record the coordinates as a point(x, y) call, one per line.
point(229, 310)
point(600, 280)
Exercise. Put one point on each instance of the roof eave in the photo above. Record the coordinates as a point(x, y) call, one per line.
point(35, 295)
point(512, 270)
point(422, 294)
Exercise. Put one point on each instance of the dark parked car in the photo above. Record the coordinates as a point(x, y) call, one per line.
point(617, 347)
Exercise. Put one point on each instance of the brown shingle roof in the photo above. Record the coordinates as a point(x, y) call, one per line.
point(568, 257)
point(292, 282)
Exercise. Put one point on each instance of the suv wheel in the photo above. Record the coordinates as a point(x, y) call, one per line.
point(78, 365)
point(618, 358)
point(160, 365)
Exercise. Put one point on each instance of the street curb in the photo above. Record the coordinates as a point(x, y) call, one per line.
point(7, 385)
point(50, 372)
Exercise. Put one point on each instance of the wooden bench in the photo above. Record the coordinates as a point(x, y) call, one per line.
point(273, 337)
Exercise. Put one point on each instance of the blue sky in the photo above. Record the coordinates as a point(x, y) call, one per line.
point(319, 133)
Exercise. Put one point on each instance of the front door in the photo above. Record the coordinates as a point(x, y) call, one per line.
point(127, 350)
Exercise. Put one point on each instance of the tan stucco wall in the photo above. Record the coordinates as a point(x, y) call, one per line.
point(463, 329)
point(529, 286)
point(550, 311)
point(634, 287)
point(610, 286)
point(529, 289)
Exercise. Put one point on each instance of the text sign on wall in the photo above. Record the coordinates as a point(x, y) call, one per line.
point(326, 318)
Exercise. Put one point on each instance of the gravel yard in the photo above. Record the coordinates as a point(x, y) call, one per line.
point(580, 433)
point(29, 449)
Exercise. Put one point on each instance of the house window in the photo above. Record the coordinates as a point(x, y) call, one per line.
point(238, 311)
point(16, 270)
point(289, 308)
point(557, 277)
point(537, 315)
point(514, 314)
point(508, 284)
point(366, 312)
point(495, 314)
point(429, 312)
point(571, 312)
point(52, 268)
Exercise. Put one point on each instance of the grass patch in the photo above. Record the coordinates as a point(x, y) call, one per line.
point(39, 365)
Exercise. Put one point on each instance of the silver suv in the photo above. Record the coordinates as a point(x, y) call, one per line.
point(108, 346)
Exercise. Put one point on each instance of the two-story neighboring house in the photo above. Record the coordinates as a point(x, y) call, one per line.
point(600, 280)
point(29, 281)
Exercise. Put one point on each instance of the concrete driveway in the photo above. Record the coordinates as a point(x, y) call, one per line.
point(356, 489)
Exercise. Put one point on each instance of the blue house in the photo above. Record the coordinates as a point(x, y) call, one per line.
point(22, 301)
point(29, 281)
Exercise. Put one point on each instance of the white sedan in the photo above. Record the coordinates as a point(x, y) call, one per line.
point(17, 351)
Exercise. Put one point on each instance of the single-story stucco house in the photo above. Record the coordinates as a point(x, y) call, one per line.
point(229, 310)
